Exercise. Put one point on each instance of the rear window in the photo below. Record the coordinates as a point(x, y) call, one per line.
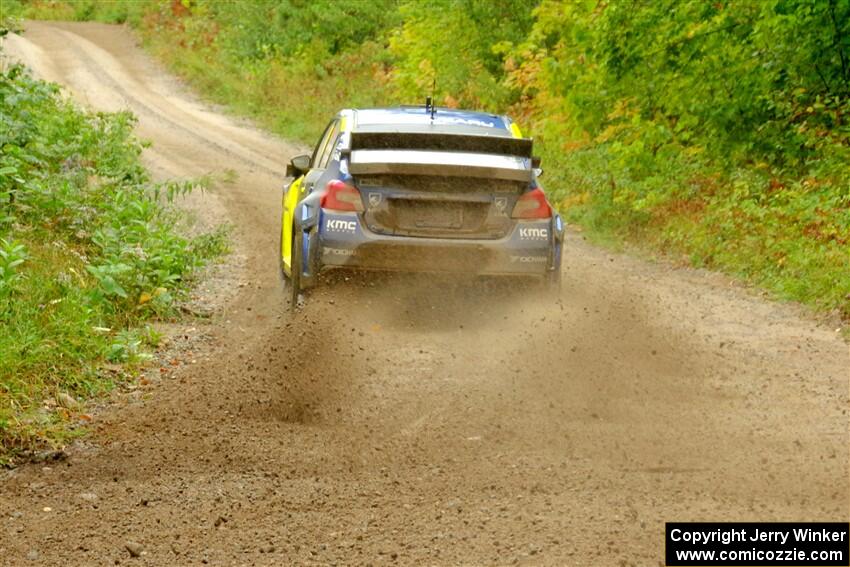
point(410, 116)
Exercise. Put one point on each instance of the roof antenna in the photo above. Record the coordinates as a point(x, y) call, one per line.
point(431, 98)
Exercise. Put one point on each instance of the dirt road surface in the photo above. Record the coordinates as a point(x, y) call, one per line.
point(417, 421)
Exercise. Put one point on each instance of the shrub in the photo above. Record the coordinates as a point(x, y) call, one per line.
point(89, 249)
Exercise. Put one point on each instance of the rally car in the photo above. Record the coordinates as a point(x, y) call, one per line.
point(418, 188)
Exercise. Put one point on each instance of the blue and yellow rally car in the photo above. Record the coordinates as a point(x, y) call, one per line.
point(418, 189)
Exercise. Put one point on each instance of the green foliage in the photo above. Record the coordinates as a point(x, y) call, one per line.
point(88, 251)
point(726, 77)
point(9, 11)
point(718, 130)
point(282, 63)
point(287, 28)
point(459, 45)
point(112, 12)
point(12, 255)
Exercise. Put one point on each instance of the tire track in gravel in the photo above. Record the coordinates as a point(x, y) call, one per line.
point(428, 420)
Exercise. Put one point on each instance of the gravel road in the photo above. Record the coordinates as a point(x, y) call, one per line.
point(409, 420)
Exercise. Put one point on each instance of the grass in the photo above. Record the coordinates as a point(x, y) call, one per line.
point(276, 95)
point(90, 252)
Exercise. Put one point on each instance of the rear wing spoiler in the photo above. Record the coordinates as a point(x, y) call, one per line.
point(448, 154)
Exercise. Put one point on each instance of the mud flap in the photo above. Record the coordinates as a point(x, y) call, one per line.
point(305, 245)
point(295, 270)
point(553, 276)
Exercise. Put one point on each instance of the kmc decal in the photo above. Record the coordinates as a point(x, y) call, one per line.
point(534, 233)
point(339, 225)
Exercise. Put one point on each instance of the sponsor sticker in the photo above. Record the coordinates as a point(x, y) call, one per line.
point(534, 233)
point(340, 225)
point(338, 252)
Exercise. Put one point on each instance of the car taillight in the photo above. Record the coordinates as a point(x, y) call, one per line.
point(532, 205)
point(341, 196)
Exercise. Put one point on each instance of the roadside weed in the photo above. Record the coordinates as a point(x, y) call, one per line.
point(90, 248)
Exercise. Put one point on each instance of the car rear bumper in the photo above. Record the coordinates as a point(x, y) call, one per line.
point(532, 248)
